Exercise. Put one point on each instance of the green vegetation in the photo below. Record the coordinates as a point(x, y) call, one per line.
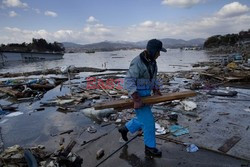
point(37, 45)
point(228, 40)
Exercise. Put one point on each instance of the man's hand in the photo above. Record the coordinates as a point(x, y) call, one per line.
point(137, 100)
point(157, 92)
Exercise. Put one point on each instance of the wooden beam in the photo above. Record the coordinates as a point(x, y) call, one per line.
point(128, 103)
point(229, 144)
point(11, 92)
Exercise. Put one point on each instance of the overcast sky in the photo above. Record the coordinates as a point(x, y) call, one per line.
point(88, 21)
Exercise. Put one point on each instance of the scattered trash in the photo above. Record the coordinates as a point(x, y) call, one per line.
point(159, 130)
point(223, 93)
point(178, 130)
point(247, 109)
point(3, 112)
point(112, 92)
point(99, 153)
point(223, 113)
point(173, 116)
point(118, 120)
point(62, 140)
point(198, 119)
point(3, 121)
point(98, 114)
point(124, 97)
point(67, 69)
point(191, 148)
point(188, 105)
point(14, 114)
point(30, 159)
point(39, 109)
point(91, 129)
point(67, 132)
point(229, 143)
point(92, 140)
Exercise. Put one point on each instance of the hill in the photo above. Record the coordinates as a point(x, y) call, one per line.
point(119, 45)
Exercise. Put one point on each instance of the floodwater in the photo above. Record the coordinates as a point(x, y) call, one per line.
point(173, 60)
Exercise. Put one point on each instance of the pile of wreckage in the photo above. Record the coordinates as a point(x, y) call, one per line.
point(37, 156)
point(227, 68)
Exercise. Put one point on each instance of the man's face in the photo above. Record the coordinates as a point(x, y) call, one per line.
point(157, 55)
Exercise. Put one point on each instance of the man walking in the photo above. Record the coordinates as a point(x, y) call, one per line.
point(140, 81)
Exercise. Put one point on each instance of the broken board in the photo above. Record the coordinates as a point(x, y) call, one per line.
point(229, 144)
point(128, 103)
point(11, 92)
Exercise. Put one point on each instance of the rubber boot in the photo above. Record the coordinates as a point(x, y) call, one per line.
point(152, 152)
point(124, 131)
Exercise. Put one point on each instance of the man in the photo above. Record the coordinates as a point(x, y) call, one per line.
point(140, 80)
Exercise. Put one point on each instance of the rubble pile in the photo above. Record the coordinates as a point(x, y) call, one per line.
point(17, 156)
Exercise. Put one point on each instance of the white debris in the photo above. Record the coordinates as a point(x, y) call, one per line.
point(159, 130)
point(118, 120)
point(112, 92)
point(98, 114)
point(124, 97)
point(14, 114)
point(247, 109)
point(189, 105)
point(191, 148)
point(3, 121)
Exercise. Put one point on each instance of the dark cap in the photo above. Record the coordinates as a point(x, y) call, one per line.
point(155, 45)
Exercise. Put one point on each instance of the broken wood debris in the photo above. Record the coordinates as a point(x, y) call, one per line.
point(92, 140)
point(11, 92)
point(229, 144)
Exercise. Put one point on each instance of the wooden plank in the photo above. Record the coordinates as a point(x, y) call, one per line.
point(212, 76)
point(11, 92)
point(128, 103)
point(229, 144)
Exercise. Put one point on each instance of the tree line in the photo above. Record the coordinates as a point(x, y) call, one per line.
point(37, 45)
point(227, 40)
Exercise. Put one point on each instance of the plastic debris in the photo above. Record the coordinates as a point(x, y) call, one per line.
point(247, 109)
point(118, 120)
point(3, 121)
point(223, 93)
point(91, 129)
point(99, 153)
point(191, 148)
point(112, 92)
point(30, 159)
point(159, 130)
point(66, 69)
point(97, 114)
point(189, 105)
point(124, 97)
point(173, 116)
point(3, 112)
point(178, 130)
point(33, 81)
point(14, 114)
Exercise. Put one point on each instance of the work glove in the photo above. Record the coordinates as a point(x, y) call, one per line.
point(137, 100)
point(157, 92)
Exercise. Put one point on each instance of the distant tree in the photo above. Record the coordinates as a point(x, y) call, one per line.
point(39, 45)
point(212, 41)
